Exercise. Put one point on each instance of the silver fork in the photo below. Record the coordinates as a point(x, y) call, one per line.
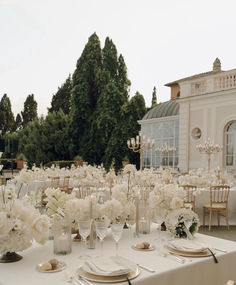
point(166, 253)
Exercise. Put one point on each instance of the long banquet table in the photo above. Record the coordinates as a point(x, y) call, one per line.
point(194, 271)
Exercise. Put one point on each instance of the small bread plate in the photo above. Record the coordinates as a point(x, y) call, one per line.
point(61, 266)
point(80, 273)
point(151, 247)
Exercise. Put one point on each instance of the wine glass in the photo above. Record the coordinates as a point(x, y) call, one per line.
point(116, 231)
point(84, 230)
point(101, 230)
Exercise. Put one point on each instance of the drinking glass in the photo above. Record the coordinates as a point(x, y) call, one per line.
point(101, 230)
point(84, 230)
point(116, 231)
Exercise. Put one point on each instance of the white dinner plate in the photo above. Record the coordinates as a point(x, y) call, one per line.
point(125, 263)
point(106, 279)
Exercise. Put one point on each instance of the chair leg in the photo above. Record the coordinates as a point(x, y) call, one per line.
point(218, 216)
point(210, 216)
point(227, 219)
point(203, 221)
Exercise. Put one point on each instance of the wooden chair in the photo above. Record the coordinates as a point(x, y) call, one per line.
point(55, 181)
point(190, 196)
point(65, 187)
point(218, 203)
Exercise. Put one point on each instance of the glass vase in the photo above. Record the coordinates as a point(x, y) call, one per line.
point(144, 217)
point(62, 237)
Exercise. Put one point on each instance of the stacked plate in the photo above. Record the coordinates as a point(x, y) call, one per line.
point(189, 248)
point(108, 269)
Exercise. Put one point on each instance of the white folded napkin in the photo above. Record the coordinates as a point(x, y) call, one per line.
point(106, 267)
point(187, 245)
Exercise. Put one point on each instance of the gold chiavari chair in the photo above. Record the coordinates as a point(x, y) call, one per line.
point(65, 187)
point(55, 182)
point(83, 192)
point(189, 201)
point(219, 196)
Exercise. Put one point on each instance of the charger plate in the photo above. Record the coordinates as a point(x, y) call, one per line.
point(151, 247)
point(61, 266)
point(188, 253)
point(106, 279)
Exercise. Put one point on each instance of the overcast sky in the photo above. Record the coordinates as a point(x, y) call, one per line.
point(161, 41)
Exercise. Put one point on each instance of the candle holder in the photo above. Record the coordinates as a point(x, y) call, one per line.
point(62, 236)
point(164, 150)
point(140, 144)
point(209, 148)
point(144, 217)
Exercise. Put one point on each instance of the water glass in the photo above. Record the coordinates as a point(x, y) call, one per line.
point(116, 231)
point(101, 230)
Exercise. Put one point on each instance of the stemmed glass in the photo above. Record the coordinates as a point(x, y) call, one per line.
point(116, 231)
point(101, 230)
point(84, 230)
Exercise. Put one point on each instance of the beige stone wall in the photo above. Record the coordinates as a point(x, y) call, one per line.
point(211, 113)
point(175, 89)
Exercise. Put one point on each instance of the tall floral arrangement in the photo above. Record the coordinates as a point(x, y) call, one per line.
point(165, 198)
point(20, 222)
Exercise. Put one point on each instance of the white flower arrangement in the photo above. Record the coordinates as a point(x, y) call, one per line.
point(165, 198)
point(56, 201)
point(182, 223)
point(130, 169)
point(78, 209)
point(20, 223)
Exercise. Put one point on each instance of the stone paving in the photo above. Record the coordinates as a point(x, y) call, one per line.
point(220, 232)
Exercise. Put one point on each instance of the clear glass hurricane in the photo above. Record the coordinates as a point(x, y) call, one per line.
point(84, 230)
point(101, 230)
point(116, 231)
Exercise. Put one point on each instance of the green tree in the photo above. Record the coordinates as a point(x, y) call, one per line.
point(46, 139)
point(18, 122)
point(134, 111)
point(154, 97)
point(7, 121)
point(62, 99)
point(30, 110)
point(85, 93)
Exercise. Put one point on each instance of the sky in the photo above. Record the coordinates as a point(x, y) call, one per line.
point(161, 41)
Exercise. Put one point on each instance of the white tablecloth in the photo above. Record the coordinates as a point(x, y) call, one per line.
point(203, 198)
point(198, 271)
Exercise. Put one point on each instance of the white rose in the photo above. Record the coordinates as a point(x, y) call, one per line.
point(41, 228)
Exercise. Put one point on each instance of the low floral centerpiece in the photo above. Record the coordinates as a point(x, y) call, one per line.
point(182, 223)
point(20, 224)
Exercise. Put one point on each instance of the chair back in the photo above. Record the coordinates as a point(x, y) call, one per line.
point(83, 192)
point(190, 195)
point(219, 194)
point(55, 182)
point(66, 181)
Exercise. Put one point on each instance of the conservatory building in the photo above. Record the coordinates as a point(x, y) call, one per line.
point(201, 106)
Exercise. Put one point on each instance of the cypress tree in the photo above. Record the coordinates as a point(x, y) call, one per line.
point(85, 92)
point(154, 97)
point(7, 121)
point(18, 122)
point(62, 99)
point(30, 110)
point(134, 111)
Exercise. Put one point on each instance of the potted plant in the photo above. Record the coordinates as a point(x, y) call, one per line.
point(78, 160)
point(20, 160)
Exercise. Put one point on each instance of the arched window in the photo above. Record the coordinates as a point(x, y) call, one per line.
point(231, 145)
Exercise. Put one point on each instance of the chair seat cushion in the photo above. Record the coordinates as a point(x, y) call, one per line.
point(217, 206)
